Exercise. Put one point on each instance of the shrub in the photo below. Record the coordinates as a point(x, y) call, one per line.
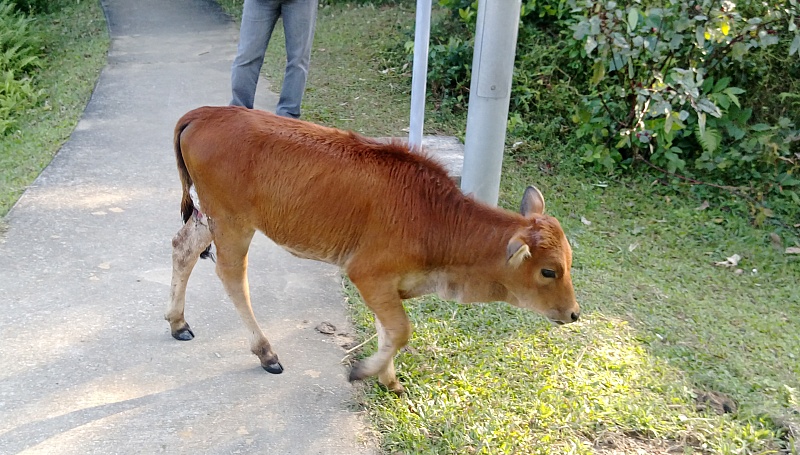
point(702, 87)
point(19, 47)
point(670, 82)
point(36, 6)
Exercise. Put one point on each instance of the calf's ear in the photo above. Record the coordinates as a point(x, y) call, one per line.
point(532, 202)
point(517, 251)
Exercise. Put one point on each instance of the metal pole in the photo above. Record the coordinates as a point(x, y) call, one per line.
point(419, 78)
point(490, 93)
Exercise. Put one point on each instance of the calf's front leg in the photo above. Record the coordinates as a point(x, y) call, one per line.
point(393, 326)
point(387, 375)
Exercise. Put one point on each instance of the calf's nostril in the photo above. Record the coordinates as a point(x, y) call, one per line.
point(575, 316)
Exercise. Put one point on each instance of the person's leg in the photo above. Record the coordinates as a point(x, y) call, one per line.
point(299, 20)
point(258, 21)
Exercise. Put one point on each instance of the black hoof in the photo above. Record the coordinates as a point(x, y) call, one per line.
point(355, 374)
point(184, 334)
point(274, 368)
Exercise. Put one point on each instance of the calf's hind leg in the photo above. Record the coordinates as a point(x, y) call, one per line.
point(191, 240)
point(232, 246)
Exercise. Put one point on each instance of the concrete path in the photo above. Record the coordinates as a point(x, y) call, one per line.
point(87, 364)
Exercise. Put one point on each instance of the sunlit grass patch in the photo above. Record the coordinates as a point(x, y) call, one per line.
point(494, 379)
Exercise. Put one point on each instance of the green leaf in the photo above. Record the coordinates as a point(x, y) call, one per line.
point(706, 105)
point(721, 100)
point(707, 84)
point(722, 84)
point(581, 30)
point(699, 35)
point(598, 72)
point(633, 19)
point(701, 122)
point(795, 46)
point(734, 131)
point(788, 180)
point(674, 162)
point(590, 45)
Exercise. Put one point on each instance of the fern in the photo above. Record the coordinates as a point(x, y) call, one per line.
point(709, 139)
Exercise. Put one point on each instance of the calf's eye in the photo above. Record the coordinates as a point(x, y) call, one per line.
point(547, 273)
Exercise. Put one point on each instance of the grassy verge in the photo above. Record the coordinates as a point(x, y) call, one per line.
point(75, 41)
point(674, 355)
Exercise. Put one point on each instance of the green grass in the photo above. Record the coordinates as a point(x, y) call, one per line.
point(75, 41)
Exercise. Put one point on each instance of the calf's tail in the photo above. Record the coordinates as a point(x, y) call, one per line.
point(187, 205)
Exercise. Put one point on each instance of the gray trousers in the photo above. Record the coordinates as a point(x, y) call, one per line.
point(258, 21)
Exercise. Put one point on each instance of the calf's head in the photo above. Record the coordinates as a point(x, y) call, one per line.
point(539, 258)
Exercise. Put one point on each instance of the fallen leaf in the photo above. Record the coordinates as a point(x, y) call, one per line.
point(702, 206)
point(585, 221)
point(776, 240)
point(732, 261)
point(792, 250)
point(326, 327)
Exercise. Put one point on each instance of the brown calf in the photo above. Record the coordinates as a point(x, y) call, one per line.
point(391, 219)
